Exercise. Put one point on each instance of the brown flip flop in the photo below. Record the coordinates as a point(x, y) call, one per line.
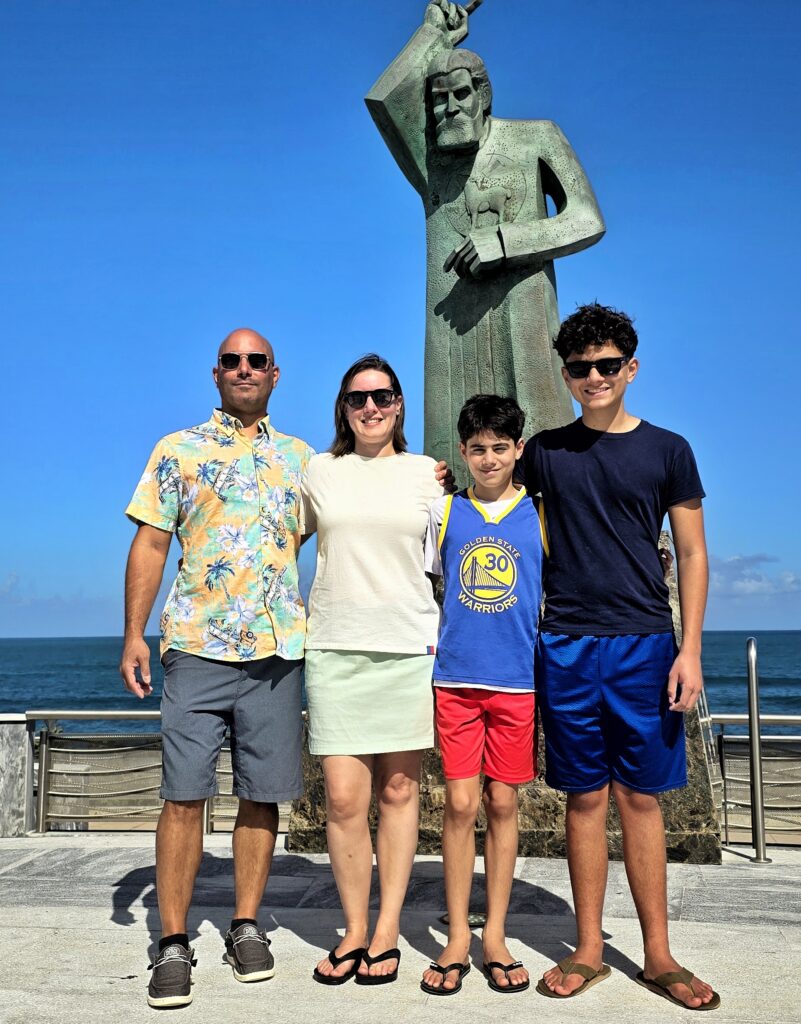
point(659, 985)
point(567, 966)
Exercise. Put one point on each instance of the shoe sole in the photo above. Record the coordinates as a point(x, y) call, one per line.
point(165, 1002)
point(253, 975)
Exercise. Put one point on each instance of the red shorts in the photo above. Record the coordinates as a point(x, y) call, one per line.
point(489, 731)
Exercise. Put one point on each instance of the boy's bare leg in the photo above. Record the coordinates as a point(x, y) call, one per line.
point(644, 856)
point(458, 860)
point(500, 853)
point(253, 843)
point(348, 785)
point(587, 859)
point(179, 848)
point(396, 777)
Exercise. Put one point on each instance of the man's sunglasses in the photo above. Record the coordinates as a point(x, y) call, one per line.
point(581, 368)
point(382, 398)
point(257, 360)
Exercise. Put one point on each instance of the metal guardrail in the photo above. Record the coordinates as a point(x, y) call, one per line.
point(110, 780)
point(766, 763)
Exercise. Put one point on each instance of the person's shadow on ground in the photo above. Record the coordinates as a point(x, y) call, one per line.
point(298, 882)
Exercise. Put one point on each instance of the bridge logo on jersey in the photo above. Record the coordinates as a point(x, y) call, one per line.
point(488, 574)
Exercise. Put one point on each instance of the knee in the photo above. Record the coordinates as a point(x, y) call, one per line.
point(595, 802)
point(500, 802)
point(343, 804)
point(399, 791)
point(183, 812)
point(462, 807)
point(629, 801)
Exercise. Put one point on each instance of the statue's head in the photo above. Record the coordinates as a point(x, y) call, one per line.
point(461, 98)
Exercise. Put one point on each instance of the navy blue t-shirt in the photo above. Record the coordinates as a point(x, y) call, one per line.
point(605, 498)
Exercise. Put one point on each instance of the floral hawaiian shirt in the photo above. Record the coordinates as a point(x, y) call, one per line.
point(235, 505)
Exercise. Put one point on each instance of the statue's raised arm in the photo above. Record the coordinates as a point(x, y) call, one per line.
point(397, 101)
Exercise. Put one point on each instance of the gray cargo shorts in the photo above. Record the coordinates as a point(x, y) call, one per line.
point(259, 700)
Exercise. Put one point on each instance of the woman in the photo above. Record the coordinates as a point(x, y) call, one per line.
point(369, 654)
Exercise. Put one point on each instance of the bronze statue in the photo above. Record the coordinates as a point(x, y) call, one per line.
point(491, 309)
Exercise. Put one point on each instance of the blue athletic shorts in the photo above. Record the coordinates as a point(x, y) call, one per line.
point(605, 715)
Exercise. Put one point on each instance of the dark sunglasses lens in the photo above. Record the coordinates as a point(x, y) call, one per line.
point(356, 399)
point(578, 369)
point(383, 397)
point(257, 360)
point(609, 367)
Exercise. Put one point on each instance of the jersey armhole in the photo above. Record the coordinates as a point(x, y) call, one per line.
point(445, 517)
point(543, 526)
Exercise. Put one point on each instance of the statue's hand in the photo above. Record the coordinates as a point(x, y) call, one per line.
point(478, 254)
point(448, 18)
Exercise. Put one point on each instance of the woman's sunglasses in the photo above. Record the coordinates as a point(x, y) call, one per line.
point(382, 398)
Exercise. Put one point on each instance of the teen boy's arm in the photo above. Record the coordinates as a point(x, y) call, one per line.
point(686, 680)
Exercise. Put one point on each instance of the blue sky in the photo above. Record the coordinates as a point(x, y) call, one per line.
point(173, 170)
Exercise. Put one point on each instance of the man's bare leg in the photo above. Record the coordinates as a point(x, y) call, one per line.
point(253, 843)
point(179, 848)
point(458, 860)
point(644, 856)
point(587, 859)
point(396, 777)
point(348, 785)
point(500, 804)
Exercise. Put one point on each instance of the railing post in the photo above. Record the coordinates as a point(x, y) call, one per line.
point(207, 818)
point(755, 739)
point(41, 792)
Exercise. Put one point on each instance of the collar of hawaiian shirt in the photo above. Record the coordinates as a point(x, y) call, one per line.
point(228, 425)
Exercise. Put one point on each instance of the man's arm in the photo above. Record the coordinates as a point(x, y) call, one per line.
point(686, 680)
point(576, 225)
point(397, 100)
point(142, 581)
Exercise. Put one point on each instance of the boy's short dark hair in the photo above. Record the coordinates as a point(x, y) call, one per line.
point(592, 326)
point(491, 413)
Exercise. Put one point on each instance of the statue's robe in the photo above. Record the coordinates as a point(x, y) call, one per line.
point(494, 333)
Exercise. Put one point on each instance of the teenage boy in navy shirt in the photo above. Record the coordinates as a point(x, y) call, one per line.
point(612, 688)
point(487, 544)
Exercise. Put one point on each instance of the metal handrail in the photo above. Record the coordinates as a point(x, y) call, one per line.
point(757, 786)
point(763, 719)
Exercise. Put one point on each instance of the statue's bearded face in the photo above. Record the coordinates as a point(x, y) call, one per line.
point(458, 110)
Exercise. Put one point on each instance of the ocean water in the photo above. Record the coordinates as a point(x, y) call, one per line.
point(82, 673)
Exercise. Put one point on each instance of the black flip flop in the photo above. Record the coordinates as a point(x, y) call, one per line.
point(355, 955)
point(444, 971)
point(379, 979)
point(493, 984)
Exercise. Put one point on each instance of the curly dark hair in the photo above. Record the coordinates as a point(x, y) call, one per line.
point(490, 414)
point(344, 441)
point(593, 326)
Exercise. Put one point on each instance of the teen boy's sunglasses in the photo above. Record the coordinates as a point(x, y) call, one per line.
point(257, 360)
point(581, 368)
point(382, 398)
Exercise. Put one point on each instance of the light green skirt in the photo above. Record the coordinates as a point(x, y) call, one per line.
point(362, 702)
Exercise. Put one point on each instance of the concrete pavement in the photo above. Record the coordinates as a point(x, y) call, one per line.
point(78, 919)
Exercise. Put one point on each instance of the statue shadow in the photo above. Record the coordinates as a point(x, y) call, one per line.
point(538, 919)
point(471, 299)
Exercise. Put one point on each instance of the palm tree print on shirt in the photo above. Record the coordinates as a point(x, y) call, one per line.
point(216, 573)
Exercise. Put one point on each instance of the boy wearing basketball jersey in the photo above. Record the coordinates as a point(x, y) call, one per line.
point(486, 543)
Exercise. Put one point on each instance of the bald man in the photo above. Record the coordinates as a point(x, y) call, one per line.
point(232, 634)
